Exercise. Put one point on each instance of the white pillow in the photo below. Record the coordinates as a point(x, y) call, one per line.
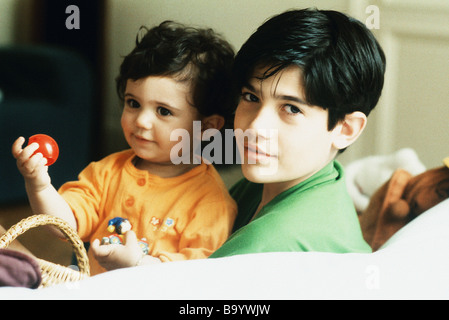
point(413, 264)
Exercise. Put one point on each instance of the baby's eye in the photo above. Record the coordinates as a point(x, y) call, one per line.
point(247, 96)
point(164, 111)
point(132, 103)
point(291, 109)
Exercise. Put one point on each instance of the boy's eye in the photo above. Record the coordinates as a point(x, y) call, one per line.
point(291, 109)
point(132, 103)
point(247, 96)
point(164, 111)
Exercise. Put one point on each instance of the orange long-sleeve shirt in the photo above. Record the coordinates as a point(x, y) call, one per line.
point(184, 217)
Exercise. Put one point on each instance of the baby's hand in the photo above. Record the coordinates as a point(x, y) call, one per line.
point(115, 256)
point(32, 167)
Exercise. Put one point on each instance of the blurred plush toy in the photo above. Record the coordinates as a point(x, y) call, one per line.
point(121, 226)
point(400, 200)
point(366, 175)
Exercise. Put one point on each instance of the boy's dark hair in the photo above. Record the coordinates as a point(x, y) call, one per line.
point(342, 63)
point(196, 55)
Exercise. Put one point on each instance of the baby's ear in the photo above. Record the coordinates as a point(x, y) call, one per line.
point(349, 129)
point(214, 121)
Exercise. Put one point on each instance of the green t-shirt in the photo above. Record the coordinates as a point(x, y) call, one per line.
point(315, 215)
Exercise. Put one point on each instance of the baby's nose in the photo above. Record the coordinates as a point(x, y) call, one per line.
point(145, 120)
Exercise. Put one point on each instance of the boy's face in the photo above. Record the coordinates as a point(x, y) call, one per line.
point(154, 107)
point(292, 141)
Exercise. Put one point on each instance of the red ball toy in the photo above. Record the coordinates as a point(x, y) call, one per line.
point(47, 146)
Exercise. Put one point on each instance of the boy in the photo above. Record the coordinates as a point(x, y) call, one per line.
point(311, 77)
point(174, 76)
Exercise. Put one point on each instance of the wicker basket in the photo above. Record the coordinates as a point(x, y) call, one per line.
point(52, 273)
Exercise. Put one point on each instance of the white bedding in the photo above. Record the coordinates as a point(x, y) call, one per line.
point(414, 264)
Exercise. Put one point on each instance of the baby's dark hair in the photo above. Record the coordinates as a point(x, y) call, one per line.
point(342, 64)
point(199, 56)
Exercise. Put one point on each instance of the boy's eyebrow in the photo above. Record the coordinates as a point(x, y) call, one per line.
point(281, 97)
point(292, 98)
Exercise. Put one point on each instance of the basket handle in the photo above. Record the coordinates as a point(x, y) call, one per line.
point(43, 219)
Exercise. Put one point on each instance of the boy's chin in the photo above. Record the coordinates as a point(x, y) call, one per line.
point(260, 173)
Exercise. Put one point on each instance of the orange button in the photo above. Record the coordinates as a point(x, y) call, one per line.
point(141, 182)
point(130, 201)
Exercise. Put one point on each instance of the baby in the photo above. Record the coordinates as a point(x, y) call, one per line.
point(174, 76)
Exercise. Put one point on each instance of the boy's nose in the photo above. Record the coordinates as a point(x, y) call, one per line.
point(263, 120)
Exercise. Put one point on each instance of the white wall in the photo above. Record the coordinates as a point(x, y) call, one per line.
point(7, 14)
point(15, 17)
point(414, 109)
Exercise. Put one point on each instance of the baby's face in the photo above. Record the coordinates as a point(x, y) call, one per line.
point(154, 107)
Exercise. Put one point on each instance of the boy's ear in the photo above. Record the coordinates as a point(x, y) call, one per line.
point(214, 121)
point(348, 130)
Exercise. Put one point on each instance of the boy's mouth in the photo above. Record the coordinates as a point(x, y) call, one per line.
point(256, 153)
